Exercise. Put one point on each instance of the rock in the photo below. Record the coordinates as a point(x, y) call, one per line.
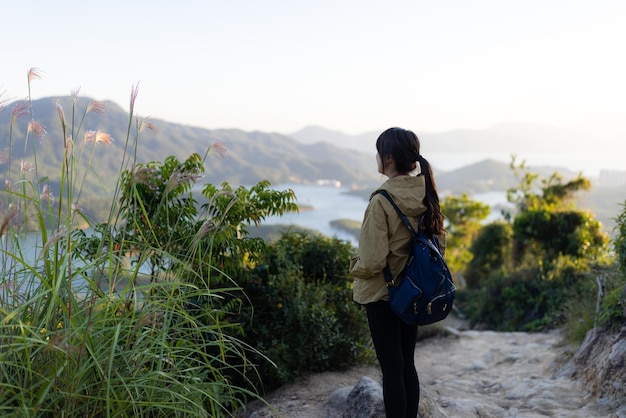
point(600, 364)
point(428, 408)
point(365, 400)
point(455, 407)
point(339, 398)
point(624, 300)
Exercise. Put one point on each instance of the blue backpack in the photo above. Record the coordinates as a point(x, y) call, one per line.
point(425, 292)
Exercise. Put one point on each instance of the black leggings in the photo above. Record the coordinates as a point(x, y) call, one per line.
point(394, 342)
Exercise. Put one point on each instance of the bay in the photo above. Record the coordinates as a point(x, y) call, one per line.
point(330, 203)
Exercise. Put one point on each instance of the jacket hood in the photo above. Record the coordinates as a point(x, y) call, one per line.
point(407, 192)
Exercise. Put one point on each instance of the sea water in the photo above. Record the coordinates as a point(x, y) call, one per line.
point(333, 203)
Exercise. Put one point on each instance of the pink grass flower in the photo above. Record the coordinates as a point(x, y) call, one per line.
point(98, 136)
point(27, 166)
point(133, 96)
point(69, 147)
point(46, 194)
point(145, 176)
point(97, 107)
point(12, 213)
point(90, 136)
point(76, 208)
point(103, 137)
point(56, 237)
point(145, 124)
point(181, 177)
point(7, 185)
point(207, 227)
point(34, 74)
point(219, 149)
point(2, 101)
point(19, 110)
point(37, 129)
point(75, 93)
point(61, 113)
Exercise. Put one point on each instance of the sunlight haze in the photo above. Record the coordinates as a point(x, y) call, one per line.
point(351, 66)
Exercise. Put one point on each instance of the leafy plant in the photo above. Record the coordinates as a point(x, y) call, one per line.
point(491, 251)
point(620, 240)
point(302, 315)
point(551, 268)
point(88, 330)
point(463, 216)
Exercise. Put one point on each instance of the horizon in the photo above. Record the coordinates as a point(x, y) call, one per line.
point(279, 66)
point(576, 161)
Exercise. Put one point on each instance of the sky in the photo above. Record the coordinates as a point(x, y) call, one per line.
point(350, 66)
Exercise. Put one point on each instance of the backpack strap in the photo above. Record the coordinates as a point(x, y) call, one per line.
point(386, 270)
point(402, 215)
point(433, 244)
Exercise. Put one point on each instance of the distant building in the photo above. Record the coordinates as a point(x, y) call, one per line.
point(612, 178)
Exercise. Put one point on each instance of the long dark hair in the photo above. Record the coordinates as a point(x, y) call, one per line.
point(404, 146)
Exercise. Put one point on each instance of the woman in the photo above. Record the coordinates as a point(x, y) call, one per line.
point(385, 240)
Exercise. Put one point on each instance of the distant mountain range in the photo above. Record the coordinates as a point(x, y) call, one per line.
point(507, 138)
point(306, 156)
point(251, 156)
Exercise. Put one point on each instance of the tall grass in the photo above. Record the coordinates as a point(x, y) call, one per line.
point(93, 335)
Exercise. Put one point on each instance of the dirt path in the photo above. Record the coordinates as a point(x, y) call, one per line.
point(474, 374)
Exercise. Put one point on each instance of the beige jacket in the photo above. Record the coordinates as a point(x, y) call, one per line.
point(385, 239)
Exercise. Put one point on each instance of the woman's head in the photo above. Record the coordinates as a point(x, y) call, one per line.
point(402, 146)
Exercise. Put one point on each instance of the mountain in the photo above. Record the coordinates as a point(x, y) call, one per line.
point(311, 154)
point(250, 156)
point(508, 138)
point(365, 142)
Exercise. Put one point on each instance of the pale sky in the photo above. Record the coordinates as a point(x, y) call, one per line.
point(352, 66)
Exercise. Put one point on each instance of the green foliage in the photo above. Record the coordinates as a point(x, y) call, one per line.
point(551, 194)
point(88, 355)
point(620, 240)
point(464, 217)
point(545, 234)
point(530, 298)
point(612, 312)
point(491, 251)
point(83, 331)
point(230, 212)
point(302, 316)
point(548, 278)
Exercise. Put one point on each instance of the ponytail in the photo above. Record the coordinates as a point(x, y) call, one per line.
point(404, 146)
point(433, 218)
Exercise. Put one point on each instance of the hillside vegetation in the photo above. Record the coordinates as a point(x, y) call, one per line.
point(246, 157)
point(249, 157)
point(169, 306)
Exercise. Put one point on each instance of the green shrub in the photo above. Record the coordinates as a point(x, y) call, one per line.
point(549, 279)
point(530, 298)
point(545, 234)
point(620, 240)
point(491, 251)
point(302, 316)
point(83, 331)
point(612, 314)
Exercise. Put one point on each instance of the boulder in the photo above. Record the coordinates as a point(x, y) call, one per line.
point(600, 364)
point(365, 400)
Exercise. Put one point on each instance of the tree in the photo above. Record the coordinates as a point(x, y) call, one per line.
point(557, 252)
point(490, 250)
point(463, 216)
point(547, 223)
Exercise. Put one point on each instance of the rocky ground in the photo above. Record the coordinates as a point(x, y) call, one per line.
point(466, 374)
